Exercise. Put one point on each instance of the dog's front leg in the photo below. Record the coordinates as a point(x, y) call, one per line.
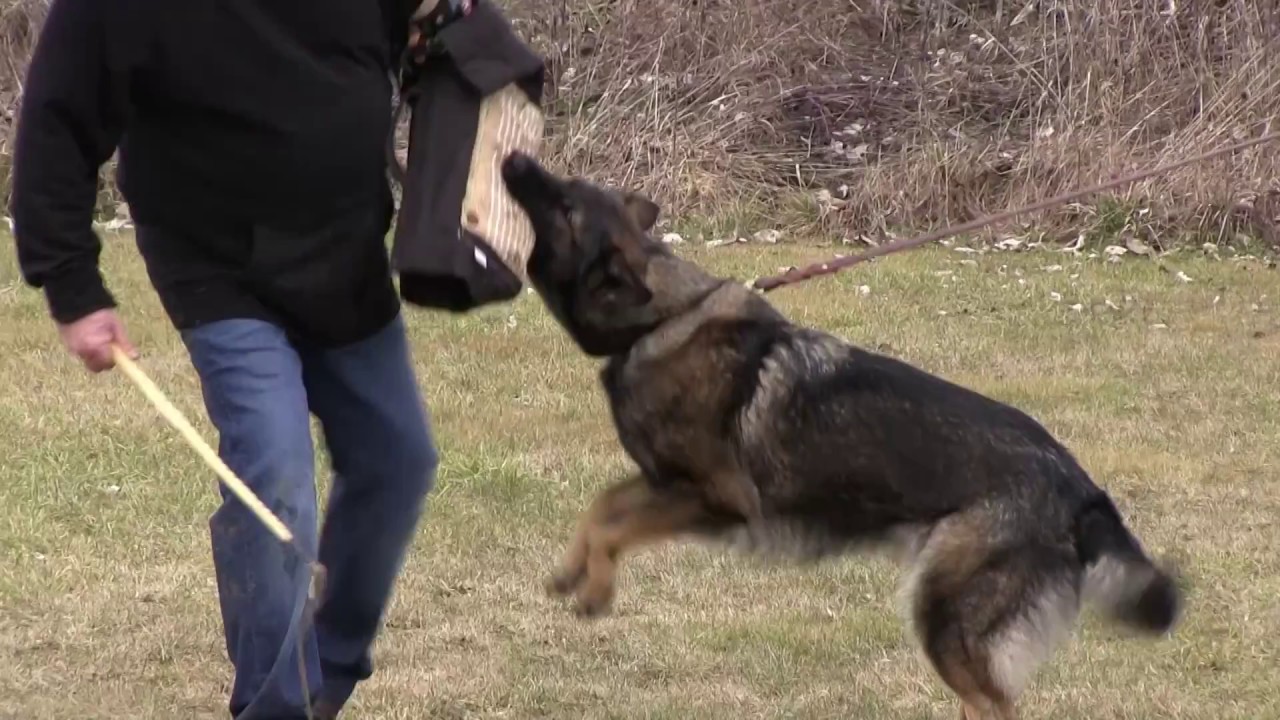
point(609, 503)
point(647, 517)
point(735, 491)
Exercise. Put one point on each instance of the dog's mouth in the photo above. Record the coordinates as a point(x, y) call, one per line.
point(540, 195)
point(532, 187)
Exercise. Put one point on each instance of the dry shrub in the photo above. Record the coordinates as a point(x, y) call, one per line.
point(913, 113)
point(909, 113)
point(20, 22)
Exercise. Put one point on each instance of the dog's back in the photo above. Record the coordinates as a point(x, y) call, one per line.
point(1003, 532)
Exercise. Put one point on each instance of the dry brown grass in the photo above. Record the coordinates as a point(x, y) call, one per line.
point(107, 603)
point(921, 111)
point(927, 111)
point(20, 22)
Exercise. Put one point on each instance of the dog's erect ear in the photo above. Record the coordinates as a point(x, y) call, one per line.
point(641, 209)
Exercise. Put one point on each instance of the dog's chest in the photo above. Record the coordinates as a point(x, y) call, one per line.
point(656, 415)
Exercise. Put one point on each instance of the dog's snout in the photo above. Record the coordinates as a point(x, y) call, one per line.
point(516, 164)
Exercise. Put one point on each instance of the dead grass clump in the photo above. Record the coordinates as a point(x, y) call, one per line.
point(20, 22)
point(910, 113)
point(913, 113)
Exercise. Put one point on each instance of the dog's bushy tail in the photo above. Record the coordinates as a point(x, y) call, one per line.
point(1120, 579)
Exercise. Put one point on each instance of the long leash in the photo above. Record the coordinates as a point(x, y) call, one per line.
point(830, 267)
point(171, 413)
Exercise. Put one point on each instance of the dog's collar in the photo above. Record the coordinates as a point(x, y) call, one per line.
point(698, 300)
point(717, 286)
point(679, 316)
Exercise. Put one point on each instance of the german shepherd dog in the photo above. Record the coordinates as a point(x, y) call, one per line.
point(775, 438)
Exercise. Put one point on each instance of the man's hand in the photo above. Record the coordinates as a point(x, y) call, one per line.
point(90, 338)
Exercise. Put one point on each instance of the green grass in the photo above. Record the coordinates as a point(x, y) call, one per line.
point(107, 602)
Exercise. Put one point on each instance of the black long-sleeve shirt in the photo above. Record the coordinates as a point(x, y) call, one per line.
point(232, 118)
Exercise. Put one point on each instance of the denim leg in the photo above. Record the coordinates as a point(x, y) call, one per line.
point(252, 382)
point(384, 459)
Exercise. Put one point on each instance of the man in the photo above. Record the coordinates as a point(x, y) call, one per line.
point(250, 137)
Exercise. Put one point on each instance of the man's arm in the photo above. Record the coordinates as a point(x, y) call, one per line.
point(73, 108)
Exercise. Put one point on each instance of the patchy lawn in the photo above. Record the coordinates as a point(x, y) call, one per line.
point(1167, 390)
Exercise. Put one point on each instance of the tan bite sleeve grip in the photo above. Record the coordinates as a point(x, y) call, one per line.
point(508, 121)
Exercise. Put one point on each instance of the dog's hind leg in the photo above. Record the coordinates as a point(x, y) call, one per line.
point(609, 503)
point(638, 520)
point(988, 610)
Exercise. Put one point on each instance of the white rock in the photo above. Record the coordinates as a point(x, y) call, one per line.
point(1136, 246)
point(725, 241)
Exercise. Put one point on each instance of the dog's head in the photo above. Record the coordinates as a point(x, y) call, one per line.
point(591, 255)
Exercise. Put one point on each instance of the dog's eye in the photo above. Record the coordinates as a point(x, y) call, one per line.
point(610, 281)
point(573, 215)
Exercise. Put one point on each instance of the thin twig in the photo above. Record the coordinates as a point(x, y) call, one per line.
point(264, 515)
point(197, 443)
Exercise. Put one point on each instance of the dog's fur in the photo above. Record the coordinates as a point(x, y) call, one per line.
point(777, 438)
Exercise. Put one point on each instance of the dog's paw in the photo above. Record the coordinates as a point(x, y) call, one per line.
point(562, 583)
point(594, 603)
point(592, 609)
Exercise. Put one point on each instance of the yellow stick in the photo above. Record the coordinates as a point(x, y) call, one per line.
point(179, 422)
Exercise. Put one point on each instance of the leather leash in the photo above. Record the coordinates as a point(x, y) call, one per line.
point(830, 267)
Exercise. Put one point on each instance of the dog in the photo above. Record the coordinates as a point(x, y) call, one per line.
point(775, 438)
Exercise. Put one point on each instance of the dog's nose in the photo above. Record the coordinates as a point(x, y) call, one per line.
point(516, 164)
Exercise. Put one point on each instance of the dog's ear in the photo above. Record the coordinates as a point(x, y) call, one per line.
point(641, 209)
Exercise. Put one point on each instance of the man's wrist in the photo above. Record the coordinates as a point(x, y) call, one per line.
point(75, 294)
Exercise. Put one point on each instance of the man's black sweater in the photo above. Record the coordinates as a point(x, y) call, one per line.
point(239, 123)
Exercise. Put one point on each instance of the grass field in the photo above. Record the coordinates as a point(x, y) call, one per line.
point(1167, 390)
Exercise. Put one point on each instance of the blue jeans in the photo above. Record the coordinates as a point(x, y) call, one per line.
point(260, 392)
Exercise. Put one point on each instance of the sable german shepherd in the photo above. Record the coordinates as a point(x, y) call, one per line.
point(750, 430)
